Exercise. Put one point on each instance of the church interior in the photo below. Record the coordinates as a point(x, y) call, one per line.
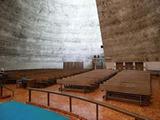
point(80, 60)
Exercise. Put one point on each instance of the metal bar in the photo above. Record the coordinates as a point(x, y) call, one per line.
point(30, 93)
point(70, 104)
point(97, 112)
point(48, 99)
point(12, 94)
point(1, 91)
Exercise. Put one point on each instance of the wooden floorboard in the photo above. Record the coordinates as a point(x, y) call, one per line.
point(87, 110)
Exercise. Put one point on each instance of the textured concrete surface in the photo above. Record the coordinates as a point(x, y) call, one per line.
point(43, 34)
point(130, 29)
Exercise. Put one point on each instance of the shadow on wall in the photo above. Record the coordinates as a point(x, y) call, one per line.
point(12, 32)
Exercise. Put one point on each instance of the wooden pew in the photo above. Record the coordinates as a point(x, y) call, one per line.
point(129, 85)
point(42, 77)
point(86, 82)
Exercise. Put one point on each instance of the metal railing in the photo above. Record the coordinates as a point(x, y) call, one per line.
point(97, 103)
point(1, 92)
point(10, 90)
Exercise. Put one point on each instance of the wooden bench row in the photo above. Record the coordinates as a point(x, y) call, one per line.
point(41, 78)
point(86, 81)
point(129, 85)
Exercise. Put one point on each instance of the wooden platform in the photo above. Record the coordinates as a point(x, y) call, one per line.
point(86, 82)
point(129, 85)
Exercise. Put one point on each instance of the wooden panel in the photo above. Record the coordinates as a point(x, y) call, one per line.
point(119, 65)
point(72, 65)
point(139, 66)
point(129, 65)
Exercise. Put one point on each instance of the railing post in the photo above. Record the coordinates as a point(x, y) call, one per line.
point(48, 99)
point(70, 103)
point(97, 112)
point(1, 94)
point(30, 95)
point(13, 94)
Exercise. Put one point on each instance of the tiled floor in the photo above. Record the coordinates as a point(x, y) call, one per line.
point(87, 110)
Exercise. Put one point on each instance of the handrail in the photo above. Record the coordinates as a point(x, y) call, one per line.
point(97, 103)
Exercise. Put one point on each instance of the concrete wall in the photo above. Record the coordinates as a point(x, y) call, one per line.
point(130, 29)
point(152, 66)
point(43, 34)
